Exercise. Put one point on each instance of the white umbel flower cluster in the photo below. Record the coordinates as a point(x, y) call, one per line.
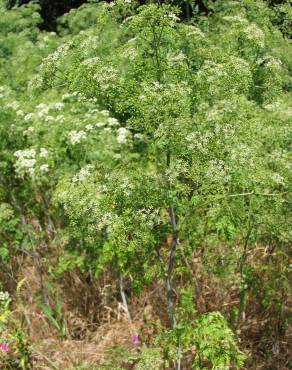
point(255, 35)
point(4, 297)
point(29, 162)
point(44, 168)
point(112, 122)
point(83, 173)
point(173, 17)
point(43, 153)
point(76, 136)
point(123, 135)
point(25, 162)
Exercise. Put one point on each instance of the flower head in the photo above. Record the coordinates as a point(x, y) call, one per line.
point(44, 168)
point(135, 339)
point(4, 347)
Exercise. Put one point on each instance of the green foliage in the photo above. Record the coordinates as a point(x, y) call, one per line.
point(53, 312)
point(150, 358)
point(215, 342)
point(14, 348)
point(283, 17)
point(208, 336)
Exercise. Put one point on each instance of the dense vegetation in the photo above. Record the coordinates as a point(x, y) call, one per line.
point(145, 178)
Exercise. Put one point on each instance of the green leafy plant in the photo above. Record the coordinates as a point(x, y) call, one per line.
point(14, 347)
point(53, 312)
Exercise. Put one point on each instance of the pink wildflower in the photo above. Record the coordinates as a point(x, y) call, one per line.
point(4, 347)
point(135, 339)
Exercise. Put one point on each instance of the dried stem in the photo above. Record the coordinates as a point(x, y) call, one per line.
point(124, 298)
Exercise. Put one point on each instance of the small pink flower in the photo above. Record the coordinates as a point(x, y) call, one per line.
point(135, 339)
point(4, 347)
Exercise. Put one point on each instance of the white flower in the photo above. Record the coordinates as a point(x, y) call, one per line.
point(274, 63)
point(89, 127)
point(255, 34)
point(112, 121)
point(100, 124)
point(19, 113)
point(49, 118)
point(173, 16)
point(42, 106)
point(14, 105)
point(130, 52)
point(90, 61)
point(278, 179)
point(194, 31)
point(59, 106)
point(43, 153)
point(4, 296)
point(44, 168)
point(76, 136)
point(217, 171)
point(176, 58)
point(123, 135)
point(29, 163)
point(83, 173)
point(28, 116)
point(26, 153)
point(60, 118)
point(28, 131)
point(25, 162)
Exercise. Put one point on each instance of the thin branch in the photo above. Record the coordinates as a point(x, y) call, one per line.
point(249, 193)
point(259, 194)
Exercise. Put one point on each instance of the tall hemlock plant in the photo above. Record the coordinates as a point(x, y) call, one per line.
point(143, 139)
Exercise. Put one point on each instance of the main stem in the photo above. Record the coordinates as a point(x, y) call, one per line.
point(169, 282)
point(243, 291)
point(171, 261)
point(243, 259)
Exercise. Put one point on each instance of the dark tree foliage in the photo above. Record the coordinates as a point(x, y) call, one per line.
point(50, 9)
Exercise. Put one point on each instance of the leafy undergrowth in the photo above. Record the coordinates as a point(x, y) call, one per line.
point(92, 329)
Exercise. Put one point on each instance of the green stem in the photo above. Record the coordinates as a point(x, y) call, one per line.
point(171, 262)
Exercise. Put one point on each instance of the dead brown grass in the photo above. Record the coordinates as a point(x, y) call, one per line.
point(96, 320)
